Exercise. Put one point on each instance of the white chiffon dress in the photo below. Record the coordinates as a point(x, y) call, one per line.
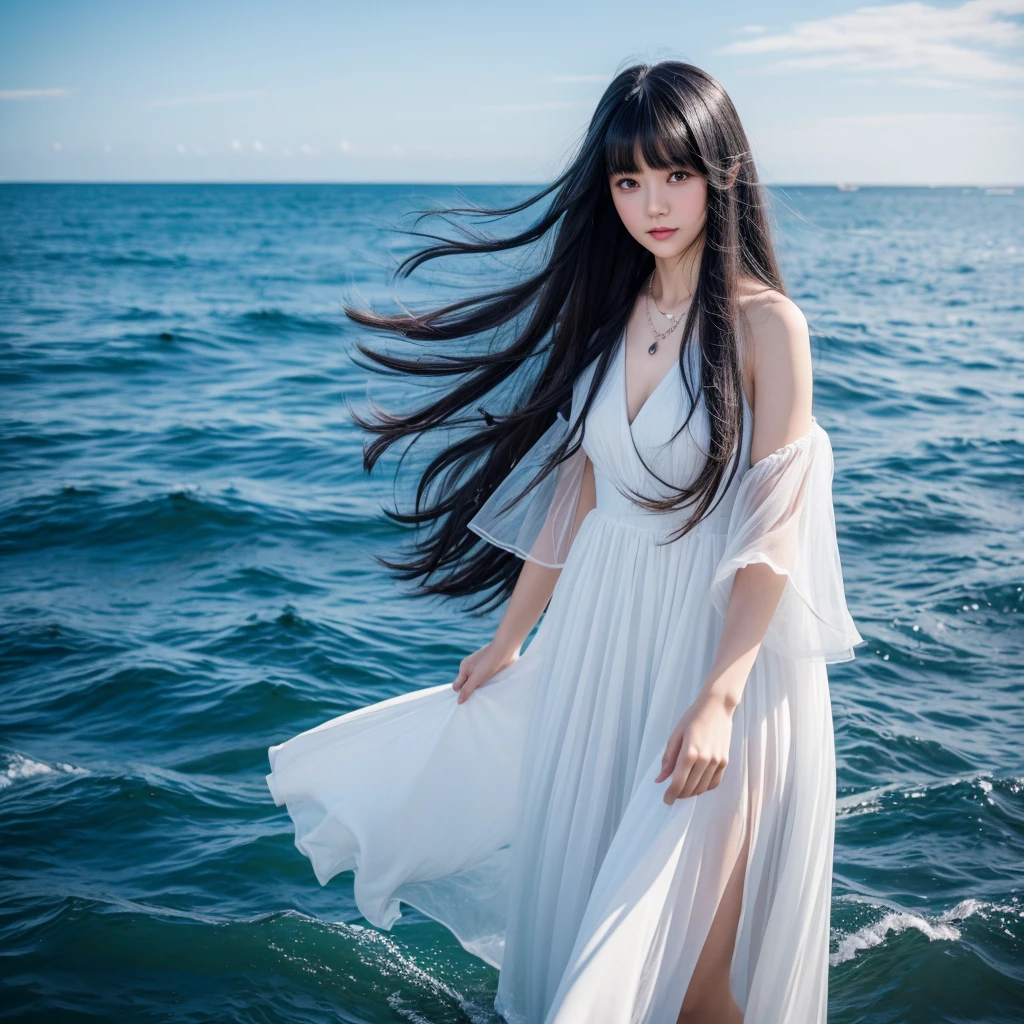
point(527, 819)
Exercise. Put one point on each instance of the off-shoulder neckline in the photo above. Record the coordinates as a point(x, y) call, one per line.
point(803, 439)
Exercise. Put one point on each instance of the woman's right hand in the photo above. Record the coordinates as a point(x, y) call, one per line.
point(480, 666)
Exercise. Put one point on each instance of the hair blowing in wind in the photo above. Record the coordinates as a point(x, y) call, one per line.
point(568, 313)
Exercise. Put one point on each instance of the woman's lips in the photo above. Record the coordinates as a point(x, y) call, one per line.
point(662, 233)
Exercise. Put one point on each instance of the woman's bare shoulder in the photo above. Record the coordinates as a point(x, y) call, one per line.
point(771, 332)
point(778, 342)
point(769, 320)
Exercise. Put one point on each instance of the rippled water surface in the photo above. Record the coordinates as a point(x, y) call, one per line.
point(186, 576)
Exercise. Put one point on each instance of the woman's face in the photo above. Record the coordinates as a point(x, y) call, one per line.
point(674, 200)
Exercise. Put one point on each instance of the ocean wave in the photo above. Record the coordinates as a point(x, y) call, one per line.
point(897, 796)
point(279, 321)
point(141, 258)
point(19, 767)
point(944, 926)
point(102, 515)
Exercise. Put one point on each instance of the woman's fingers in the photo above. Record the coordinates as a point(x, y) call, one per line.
point(691, 778)
point(671, 755)
point(716, 778)
point(461, 678)
point(694, 774)
point(704, 782)
point(467, 688)
point(680, 775)
point(672, 761)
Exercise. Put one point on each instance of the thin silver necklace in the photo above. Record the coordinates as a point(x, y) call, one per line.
point(675, 318)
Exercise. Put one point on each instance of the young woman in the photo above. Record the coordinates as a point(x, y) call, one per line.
point(633, 819)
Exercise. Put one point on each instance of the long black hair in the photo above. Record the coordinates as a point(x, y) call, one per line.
point(568, 313)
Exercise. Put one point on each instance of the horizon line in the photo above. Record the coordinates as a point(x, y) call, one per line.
point(502, 184)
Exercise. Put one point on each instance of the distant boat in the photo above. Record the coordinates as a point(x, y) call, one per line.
point(999, 191)
point(847, 188)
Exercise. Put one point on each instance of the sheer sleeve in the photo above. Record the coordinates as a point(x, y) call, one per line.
point(537, 526)
point(783, 516)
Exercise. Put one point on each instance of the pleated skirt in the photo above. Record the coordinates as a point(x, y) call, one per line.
point(528, 822)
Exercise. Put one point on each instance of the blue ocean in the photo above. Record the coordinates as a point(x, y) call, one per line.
point(187, 576)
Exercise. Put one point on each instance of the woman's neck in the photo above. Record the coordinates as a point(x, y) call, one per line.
point(675, 280)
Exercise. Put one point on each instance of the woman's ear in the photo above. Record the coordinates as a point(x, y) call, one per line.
point(733, 174)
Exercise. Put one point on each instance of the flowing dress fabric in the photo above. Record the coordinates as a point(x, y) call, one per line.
point(527, 820)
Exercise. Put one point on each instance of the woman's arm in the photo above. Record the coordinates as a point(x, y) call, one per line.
point(783, 387)
point(528, 599)
point(697, 752)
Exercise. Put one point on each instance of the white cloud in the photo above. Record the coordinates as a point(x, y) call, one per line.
point(57, 92)
point(935, 43)
point(258, 146)
point(896, 147)
point(57, 147)
point(578, 78)
point(530, 107)
point(214, 97)
point(936, 118)
point(933, 83)
point(236, 145)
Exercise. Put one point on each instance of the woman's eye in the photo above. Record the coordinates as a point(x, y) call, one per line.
point(631, 184)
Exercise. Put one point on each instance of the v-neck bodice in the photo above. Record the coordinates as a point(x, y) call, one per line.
point(625, 388)
point(619, 449)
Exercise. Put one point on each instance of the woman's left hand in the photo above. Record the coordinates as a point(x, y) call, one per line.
point(698, 749)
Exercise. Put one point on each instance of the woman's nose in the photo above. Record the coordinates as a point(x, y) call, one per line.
point(656, 202)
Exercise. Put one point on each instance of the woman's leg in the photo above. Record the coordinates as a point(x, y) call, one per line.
point(708, 998)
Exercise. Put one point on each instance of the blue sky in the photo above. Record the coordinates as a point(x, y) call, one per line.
point(901, 93)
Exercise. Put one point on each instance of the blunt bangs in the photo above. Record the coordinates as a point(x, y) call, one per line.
point(660, 134)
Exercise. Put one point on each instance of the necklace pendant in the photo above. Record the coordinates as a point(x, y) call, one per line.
point(653, 348)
